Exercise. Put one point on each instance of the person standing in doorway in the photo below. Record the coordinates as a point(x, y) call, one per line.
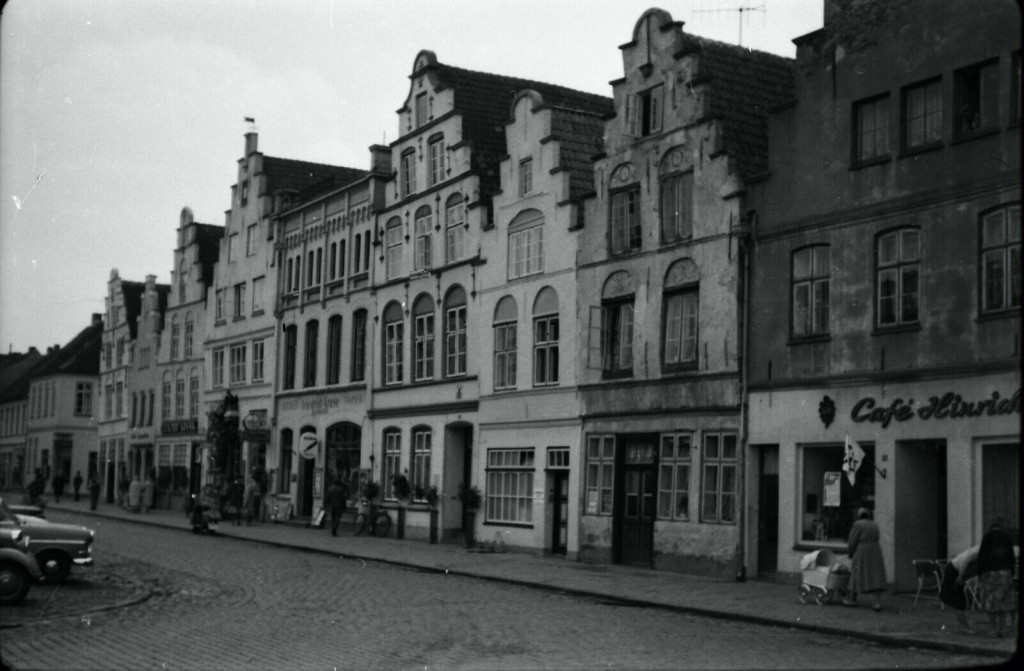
point(58, 487)
point(250, 501)
point(868, 565)
point(337, 499)
point(77, 483)
point(94, 491)
point(995, 577)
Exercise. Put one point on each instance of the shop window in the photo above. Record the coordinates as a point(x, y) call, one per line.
point(899, 271)
point(510, 485)
point(600, 474)
point(719, 481)
point(829, 501)
point(674, 477)
point(1000, 260)
point(421, 448)
point(1000, 486)
point(392, 462)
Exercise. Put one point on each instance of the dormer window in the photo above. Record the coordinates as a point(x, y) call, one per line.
point(644, 111)
point(421, 109)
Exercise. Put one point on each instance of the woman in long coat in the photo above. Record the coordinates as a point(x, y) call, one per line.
point(996, 562)
point(868, 566)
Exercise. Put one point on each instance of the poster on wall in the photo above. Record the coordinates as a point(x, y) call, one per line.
point(832, 486)
point(318, 479)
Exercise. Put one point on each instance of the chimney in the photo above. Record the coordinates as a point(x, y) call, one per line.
point(97, 318)
point(251, 139)
point(380, 159)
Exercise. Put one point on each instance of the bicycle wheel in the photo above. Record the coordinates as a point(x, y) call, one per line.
point(360, 524)
point(383, 525)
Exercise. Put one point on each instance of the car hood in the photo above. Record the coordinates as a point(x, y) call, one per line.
point(37, 527)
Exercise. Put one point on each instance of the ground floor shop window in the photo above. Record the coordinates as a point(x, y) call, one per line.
point(600, 474)
point(829, 501)
point(1000, 486)
point(510, 485)
point(719, 478)
point(674, 477)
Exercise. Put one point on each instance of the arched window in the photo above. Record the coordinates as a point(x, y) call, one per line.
point(526, 244)
point(190, 328)
point(545, 338)
point(505, 351)
point(359, 318)
point(455, 332)
point(610, 337)
point(625, 230)
point(334, 349)
point(680, 312)
point(393, 343)
point(393, 249)
point(165, 396)
point(312, 336)
point(175, 336)
point(676, 171)
point(179, 395)
point(423, 339)
point(422, 252)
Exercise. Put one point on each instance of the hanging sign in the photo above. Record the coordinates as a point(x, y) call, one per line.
point(832, 488)
point(308, 445)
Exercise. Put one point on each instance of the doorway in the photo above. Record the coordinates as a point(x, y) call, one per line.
point(920, 507)
point(637, 493)
point(559, 512)
point(768, 512)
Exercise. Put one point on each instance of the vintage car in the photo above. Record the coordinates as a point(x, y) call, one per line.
point(55, 546)
point(27, 509)
point(18, 568)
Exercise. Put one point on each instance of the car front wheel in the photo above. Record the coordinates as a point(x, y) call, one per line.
point(55, 566)
point(14, 583)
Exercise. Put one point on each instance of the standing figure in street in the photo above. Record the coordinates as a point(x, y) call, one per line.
point(337, 499)
point(35, 488)
point(123, 485)
point(251, 501)
point(77, 483)
point(58, 487)
point(234, 495)
point(868, 566)
point(960, 569)
point(995, 577)
point(94, 491)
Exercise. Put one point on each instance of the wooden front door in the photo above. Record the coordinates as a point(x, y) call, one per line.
point(560, 512)
point(638, 497)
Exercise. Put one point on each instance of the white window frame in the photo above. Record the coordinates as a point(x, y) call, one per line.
point(422, 251)
point(419, 479)
point(719, 472)
point(505, 353)
point(600, 484)
point(896, 265)
point(437, 156)
point(393, 243)
point(236, 368)
point(455, 232)
point(811, 294)
point(1000, 280)
point(258, 353)
point(681, 327)
point(526, 176)
point(674, 468)
point(509, 490)
point(526, 250)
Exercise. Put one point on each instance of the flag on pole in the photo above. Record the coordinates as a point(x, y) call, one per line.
point(852, 460)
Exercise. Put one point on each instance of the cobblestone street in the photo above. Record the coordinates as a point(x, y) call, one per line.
point(165, 599)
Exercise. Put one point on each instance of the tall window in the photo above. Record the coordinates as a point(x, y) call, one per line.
point(626, 232)
point(420, 477)
point(437, 161)
point(644, 111)
point(545, 337)
point(252, 239)
point(976, 98)
point(257, 294)
point(824, 481)
point(525, 176)
point(165, 396)
point(677, 207)
point(421, 109)
point(291, 338)
point(218, 367)
point(179, 394)
point(811, 291)
point(899, 269)
point(680, 323)
point(505, 344)
point(611, 330)
point(393, 260)
point(359, 345)
point(284, 470)
point(237, 367)
point(83, 398)
point(922, 114)
point(674, 477)
point(510, 485)
point(190, 329)
point(1000, 259)
point(423, 339)
point(334, 349)
point(193, 394)
point(233, 247)
point(455, 333)
point(421, 246)
point(872, 129)
point(455, 229)
point(175, 336)
point(239, 300)
point(408, 173)
point(719, 486)
point(392, 462)
point(257, 360)
point(393, 344)
point(182, 282)
point(312, 333)
point(526, 245)
point(600, 474)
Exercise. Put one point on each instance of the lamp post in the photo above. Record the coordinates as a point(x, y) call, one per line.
point(223, 438)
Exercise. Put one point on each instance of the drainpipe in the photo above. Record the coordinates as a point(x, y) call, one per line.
point(746, 243)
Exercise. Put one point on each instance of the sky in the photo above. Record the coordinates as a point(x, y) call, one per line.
point(116, 114)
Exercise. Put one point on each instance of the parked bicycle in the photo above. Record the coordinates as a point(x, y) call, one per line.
point(378, 525)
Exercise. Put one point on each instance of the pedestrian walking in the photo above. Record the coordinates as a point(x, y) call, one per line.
point(94, 491)
point(251, 501)
point(337, 499)
point(995, 577)
point(77, 483)
point(58, 487)
point(960, 569)
point(868, 566)
point(35, 488)
point(123, 485)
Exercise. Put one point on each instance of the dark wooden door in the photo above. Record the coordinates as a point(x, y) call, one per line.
point(638, 510)
point(560, 509)
point(768, 525)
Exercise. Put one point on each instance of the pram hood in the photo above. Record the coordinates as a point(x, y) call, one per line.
point(823, 557)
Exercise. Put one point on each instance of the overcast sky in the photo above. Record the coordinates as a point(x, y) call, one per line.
point(115, 114)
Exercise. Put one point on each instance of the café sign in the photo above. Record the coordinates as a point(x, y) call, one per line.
point(170, 427)
point(948, 406)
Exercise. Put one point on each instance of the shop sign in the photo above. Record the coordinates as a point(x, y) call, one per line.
point(948, 406)
point(254, 427)
point(170, 427)
point(308, 445)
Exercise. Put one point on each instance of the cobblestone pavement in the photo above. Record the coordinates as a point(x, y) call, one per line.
point(230, 603)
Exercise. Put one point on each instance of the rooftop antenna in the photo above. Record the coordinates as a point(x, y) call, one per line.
point(740, 10)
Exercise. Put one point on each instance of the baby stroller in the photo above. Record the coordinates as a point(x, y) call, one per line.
point(204, 517)
point(823, 577)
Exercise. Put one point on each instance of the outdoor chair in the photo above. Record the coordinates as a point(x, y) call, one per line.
point(971, 594)
point(929, 577)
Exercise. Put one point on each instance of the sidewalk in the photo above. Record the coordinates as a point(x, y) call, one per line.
point(900, 623)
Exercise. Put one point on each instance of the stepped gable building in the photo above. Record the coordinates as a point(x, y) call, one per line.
point(661, 300)
point(239, 334)
point(530, 461)
point(61, 431)
point(886, 287)
point(15, 374)
point(120, 327)
point(428, 323)
point(324, 245)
